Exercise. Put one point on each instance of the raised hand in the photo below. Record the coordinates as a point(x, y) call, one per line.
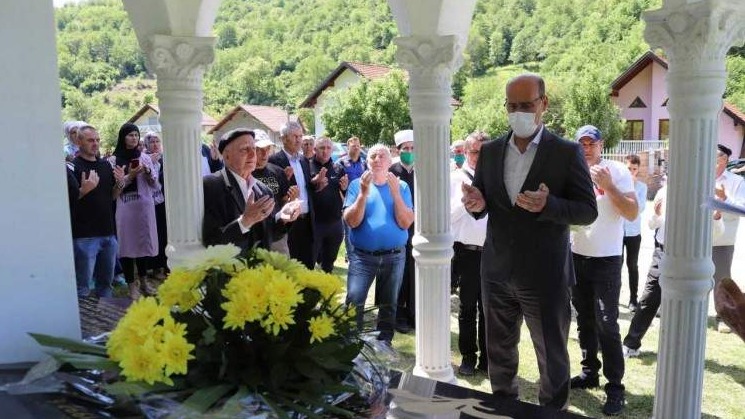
point(472, 199)
point(289, 172)
point(601, 176)
point(394, 183)
point(533, 201)
point(344, 182)
point(720, 193)
point(365, 181)
point(88, 183)
point(292, 193)
point(290, 211)
point(257, 210)
point(119, 174)
point(320, 180)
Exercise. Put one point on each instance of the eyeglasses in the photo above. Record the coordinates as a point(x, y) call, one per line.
point(474, 151)
point(521, 106)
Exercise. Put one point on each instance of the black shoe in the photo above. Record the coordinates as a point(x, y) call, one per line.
point(467, 369)
point(584, 381)
point(403, 328)
point(614, 405)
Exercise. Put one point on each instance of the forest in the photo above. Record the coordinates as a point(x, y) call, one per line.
point(275, 52)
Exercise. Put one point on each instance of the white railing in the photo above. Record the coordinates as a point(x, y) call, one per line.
point(635, 147)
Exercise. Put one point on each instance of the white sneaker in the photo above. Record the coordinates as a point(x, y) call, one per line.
point(631, 353)
point(723, 328)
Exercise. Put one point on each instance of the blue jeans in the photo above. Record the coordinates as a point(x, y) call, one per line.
point(95, 258)
point(388, 271)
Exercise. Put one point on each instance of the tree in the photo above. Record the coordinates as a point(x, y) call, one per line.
point(588, 102)
point(371, 110)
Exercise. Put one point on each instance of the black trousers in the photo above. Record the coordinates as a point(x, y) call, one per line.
point(300, 241)
point(328, 241)
point(648, 304)
point(128, 267)
point(406, 313)
point(471, 331)
point(631, 245)
point(160, 261)
point(595, 297)
point(546, 312)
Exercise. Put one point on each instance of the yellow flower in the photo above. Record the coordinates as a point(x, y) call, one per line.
point(176, 352)
point(247, 296)
point(181, 289)
point(143, 364)
point(279, 318)
point(320, 328)
point(219, 257)
point(136, 326)
point(280, 262)
point(327, 284)
point(282, 290)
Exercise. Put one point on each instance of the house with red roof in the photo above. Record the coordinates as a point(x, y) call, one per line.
point(641, 94)
point(348, 73)
point(267, 118)
point(146, 118)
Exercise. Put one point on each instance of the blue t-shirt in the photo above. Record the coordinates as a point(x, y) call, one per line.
point(353, 169)
point(378, 229)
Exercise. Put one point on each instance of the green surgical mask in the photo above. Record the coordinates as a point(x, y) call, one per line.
point(407, 157)
point(459, 159)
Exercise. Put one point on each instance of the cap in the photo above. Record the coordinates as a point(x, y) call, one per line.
point(724, 149)
point(262, 139)
point(231, 136)
point(264, 143)
point(403, 137)
point(589, 131)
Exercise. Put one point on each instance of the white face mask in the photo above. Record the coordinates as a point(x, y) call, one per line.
point(522, 123)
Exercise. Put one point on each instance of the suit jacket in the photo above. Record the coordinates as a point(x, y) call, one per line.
point(528, 248)
point(224, 203)
point(280, 159)
point(215, 164)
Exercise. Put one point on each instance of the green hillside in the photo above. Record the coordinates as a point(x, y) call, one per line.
point(274, 52)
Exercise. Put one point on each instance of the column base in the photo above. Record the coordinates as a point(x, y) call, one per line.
point(445, 375)
point(177, 256)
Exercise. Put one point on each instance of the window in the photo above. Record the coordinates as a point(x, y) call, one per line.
point(638, 103)
point(634, 130)
point(665, 102)
point(664, 129)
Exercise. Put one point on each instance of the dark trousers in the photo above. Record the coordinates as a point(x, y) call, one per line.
point(160, 261)
point(547, 314)
point(300, 241)
point(128, 266)
point(328, 241)
point(406, 305)
point(467, 265)
point(595, 297)
point(648, 304)
point(631, 245)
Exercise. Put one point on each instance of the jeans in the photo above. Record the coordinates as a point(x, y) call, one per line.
point(595, 297)
point(387, 271)
point(95, 258)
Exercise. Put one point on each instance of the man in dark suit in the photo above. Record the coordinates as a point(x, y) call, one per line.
point(239, 209)
point(533, 185)
point(300, 238)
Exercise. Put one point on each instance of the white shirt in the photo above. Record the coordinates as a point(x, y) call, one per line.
point(297, 169)
point(604, 237)
point(734, 188)
point(205, 164)
point(517, 165)
point(658, 221)
point(466, 229)
point(246, 187)
point(634, 228)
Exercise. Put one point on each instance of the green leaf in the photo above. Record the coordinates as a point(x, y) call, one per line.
point(204, 398)
point(71, 345)
point(232, 407)
point(85, 361)
point(44, 368)
point(208, 336)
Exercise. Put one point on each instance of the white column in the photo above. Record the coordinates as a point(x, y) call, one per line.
point(431, 61)
point(179, 63)
point(696, 37)
point(37, 275)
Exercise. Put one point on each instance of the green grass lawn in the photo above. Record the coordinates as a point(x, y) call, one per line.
point(724, 370)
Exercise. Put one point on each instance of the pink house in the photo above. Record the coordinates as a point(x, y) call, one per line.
point(641, 94)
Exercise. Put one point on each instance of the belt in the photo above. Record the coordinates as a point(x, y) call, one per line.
point(379, 252)
point(472, 247)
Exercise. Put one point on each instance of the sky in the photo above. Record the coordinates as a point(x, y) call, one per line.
point(59, 3)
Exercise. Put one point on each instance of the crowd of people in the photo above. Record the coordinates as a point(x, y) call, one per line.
point(513, 200)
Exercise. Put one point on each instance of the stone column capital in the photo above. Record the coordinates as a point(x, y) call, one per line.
point(699, 34)
point(179, 57)
point(430, 56)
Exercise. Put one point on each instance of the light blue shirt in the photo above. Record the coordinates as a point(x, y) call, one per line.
point(517, 164)
point(297, 169)
point(378, 229)
point(634, 228)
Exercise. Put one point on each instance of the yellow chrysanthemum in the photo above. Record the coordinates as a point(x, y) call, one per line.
point(247, 296)
point(320, 328)
point(282, 290)
point(278, 319)
point(136, 326)
point(280, 262)
point(327, 284)
point(176, 353)
point(181, 289)
point(219, 257)
point(143, 364)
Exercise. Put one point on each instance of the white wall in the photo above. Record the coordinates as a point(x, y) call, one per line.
point(346, 79)
point(37, 278)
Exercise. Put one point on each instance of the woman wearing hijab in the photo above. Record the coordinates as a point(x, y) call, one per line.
point(154, 148)
point(135, 208)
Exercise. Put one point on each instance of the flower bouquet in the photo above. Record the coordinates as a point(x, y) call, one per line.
point(228, 330)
